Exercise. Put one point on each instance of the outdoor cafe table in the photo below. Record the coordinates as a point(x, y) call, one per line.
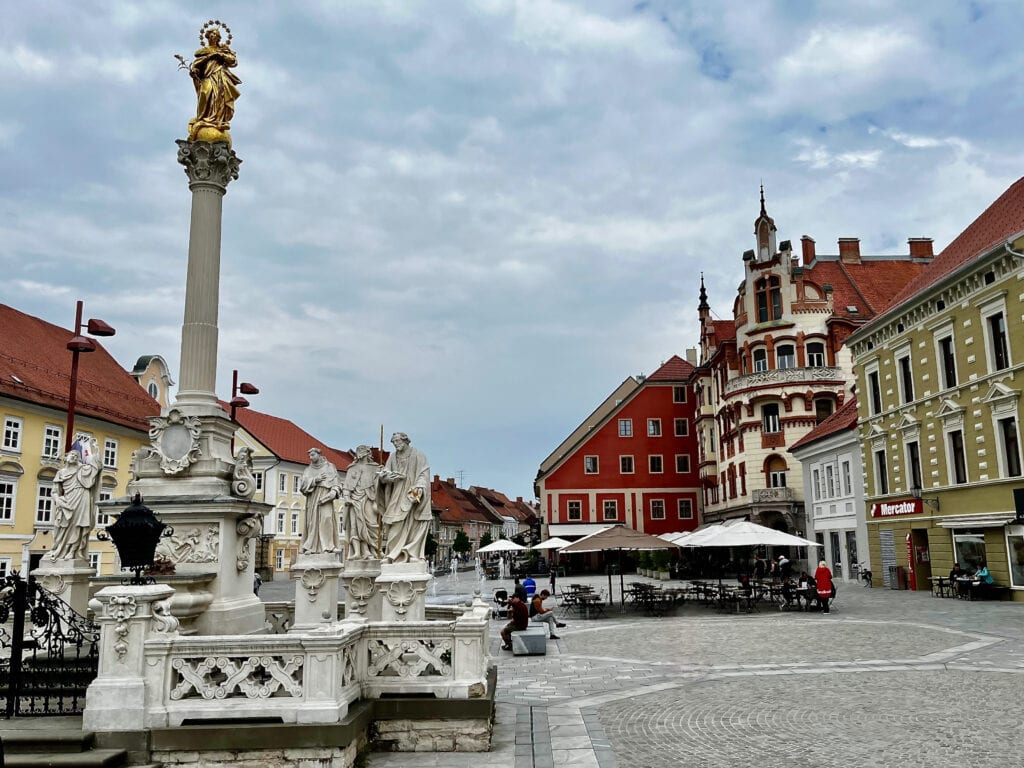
point(942, 586)
point(590, 605)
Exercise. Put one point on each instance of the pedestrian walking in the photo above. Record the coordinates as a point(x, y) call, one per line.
point(823, 582)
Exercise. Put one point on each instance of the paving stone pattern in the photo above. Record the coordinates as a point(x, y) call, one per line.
point(889, 678)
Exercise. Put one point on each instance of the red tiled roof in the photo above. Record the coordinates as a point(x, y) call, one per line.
point(518, 510)
point(843, 419)
point(724, 330)
point(867, 286)
point(1001, 220)
point(459, 505)
point(285, 439)
point(674, 369)
point(35, 366)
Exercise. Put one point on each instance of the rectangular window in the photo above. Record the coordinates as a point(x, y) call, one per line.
point(44, 503)
point(258, 479)
point(295, 523)
point(777, 479)
point(110, 453)
point(786, 356)
point(295, 483)
point(957, 457)
point(830, 481)
point(969, 549)
point(625, 427)
point(770, 417)
point(52, 441)
point(760, 360)
point(654, 427)
point(5, 567)
point(575, 510)
point(847, 479)
point(279, 560)
point(881, 473)
point(281, 521)
point(815, 355)
point(681, 427)
point(1015, 541)
point(947, 362)
point(282, 482)
point(684, 509)
point(682, 463)
point(678, 394)
point(875, 390)
point(816, 481)
point(914, 464)
point(655, 464)
point(103, 514)
point(657, 509)
point(12, 434)
point(997, 341)
point(94, 562)
point(1010, 446)
point(590, 465)
point(8, 490)
point(611, 510)
point(906, 379)
point(626, 465)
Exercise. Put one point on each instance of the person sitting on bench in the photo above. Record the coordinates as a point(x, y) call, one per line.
point(541, 615)
point(520, 621)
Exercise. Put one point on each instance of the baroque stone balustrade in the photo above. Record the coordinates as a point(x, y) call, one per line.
point(305, 677)
point(783, 376)
point(772, 495)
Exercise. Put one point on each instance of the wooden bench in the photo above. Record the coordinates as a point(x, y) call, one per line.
point(532, 641)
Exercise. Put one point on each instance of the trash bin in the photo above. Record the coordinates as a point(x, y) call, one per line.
point(897, 577)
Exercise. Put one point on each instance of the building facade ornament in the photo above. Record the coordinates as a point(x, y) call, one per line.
point(163, 619)
point(248, 528)
point(196, 544)
point(121, 609)
point(208, 165)
point(312, 580)
point(175, 439)
point(360, 589)
point(243, 481)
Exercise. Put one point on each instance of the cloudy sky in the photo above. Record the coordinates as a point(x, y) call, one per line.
point(472, 220)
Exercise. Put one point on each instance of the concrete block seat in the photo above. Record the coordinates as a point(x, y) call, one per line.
point(531, 641)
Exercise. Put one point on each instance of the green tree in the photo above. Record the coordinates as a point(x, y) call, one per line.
point(486, 539)
point(462, 544)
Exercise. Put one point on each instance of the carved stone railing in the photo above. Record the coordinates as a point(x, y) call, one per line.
point(772, 495)
point(299, 677)
point(783, 376)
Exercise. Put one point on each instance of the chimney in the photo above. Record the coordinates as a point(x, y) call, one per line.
point(450, 481)
point(519, 499)
point(437, 478)
point(807, 243)
point(920, 247)
point(691, 356)
point(849, 250)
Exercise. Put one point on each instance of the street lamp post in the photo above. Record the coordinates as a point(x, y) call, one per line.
point(237, 401)
point(76, 346)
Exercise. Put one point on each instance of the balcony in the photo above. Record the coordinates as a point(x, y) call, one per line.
point(772, 495)
point(783, 377)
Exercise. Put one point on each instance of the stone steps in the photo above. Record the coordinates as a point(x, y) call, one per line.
point(56, 747)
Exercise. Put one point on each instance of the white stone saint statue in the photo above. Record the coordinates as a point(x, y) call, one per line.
point(75, 493)
point(320, 485)
point(405, 496)
point(359, 506)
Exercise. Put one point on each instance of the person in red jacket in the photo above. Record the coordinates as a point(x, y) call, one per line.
point(823, 580)
point(520, 620)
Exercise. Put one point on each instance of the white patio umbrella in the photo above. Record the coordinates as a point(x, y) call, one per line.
point(745, 534)
point(501, 545)
point(553, 543)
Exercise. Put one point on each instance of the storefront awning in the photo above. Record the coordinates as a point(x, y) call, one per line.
point(575, 529)
point(977, 520)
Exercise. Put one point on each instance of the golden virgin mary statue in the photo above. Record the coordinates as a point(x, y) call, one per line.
point(216, 85)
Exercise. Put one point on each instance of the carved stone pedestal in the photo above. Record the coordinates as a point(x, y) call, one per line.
point(362, 598)
point(402, 587)
point(116, 699)
point(67, 580)
point(316, 591)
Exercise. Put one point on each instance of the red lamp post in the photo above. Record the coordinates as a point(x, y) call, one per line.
point(237, 401)
point(76, 346)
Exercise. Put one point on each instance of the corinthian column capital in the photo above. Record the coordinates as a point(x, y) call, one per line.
point(208, 164)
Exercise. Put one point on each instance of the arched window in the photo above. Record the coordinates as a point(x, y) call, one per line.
point(785, 355)
point(815, 354)
point(775, 467)
point(768, 295)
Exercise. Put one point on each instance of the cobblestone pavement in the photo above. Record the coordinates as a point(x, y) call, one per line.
point(888, 678)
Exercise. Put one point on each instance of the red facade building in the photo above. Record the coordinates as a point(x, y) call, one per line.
point(634, 461)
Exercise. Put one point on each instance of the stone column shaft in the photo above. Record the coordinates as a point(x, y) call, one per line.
point(209, 167)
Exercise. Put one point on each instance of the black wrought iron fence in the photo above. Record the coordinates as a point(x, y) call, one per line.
point(48, 652)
